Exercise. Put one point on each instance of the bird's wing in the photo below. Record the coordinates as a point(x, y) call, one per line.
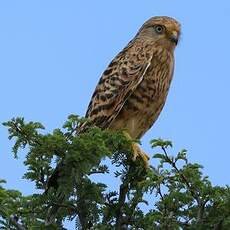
point(117, 83)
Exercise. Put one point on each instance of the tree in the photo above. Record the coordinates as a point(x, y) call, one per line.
point(171, 195)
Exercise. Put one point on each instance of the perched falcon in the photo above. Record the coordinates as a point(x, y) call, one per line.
point(132, 90)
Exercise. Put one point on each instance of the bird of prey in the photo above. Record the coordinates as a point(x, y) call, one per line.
point(132, 90)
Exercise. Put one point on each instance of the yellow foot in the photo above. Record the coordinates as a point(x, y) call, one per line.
point(137, 152)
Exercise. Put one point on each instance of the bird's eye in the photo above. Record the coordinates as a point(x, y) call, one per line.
point(159, 29)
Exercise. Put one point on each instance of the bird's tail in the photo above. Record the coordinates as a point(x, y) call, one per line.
point(55, 184)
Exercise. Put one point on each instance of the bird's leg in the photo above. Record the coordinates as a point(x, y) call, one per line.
point(137, 151)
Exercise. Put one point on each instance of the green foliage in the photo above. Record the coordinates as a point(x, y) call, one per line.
point(171, 195)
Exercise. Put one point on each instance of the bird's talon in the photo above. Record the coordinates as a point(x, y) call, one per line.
point(137, 152)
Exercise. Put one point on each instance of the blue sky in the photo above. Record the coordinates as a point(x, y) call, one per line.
point(52, 54)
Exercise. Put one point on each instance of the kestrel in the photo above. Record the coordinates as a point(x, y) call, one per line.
point(132, 90)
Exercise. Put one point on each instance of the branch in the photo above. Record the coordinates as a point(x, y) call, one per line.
point(184, 179)
point(82, 211)
point(135, 201)
point(162, 198)
point(119, 212)
point(71, 207)
point(201, 205)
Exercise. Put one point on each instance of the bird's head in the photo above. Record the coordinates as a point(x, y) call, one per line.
point(163, 30)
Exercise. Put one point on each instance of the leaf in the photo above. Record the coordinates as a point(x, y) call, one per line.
point(160, 143)
point(182, 155)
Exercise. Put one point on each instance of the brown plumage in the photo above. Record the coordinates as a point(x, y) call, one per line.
point(132, 90)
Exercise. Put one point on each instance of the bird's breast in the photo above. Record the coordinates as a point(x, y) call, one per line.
point(143, 107)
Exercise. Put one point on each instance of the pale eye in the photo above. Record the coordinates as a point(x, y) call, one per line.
point(159, 29)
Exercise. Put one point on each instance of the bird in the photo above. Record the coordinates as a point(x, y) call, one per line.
point(133, 88)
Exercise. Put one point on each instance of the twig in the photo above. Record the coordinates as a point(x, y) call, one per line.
point(201, 205)
point(72, 207)
point(135, 201)
point(96, 171)
point(122, 195)
point(182, 177)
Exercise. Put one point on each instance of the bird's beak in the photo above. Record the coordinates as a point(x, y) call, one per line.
point(174, 37)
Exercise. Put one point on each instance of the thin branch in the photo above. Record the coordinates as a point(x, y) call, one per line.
point(201, 205)
point(72, 207)
point(182, 177)
point(162, 198)
point(96, 171)
point(135, 201)
point(121, 201)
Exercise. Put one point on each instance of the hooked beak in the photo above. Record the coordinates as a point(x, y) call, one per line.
point(174, 37)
